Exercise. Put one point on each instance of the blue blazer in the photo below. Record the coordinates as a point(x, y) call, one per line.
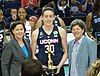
point(86, 55)
point(13, 56)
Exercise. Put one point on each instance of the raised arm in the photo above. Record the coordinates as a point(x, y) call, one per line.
point(84, 6)
point(88, 24)
point(62, 24)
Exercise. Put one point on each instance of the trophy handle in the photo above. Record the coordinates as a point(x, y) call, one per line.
point(50, 62)
point(51, 69)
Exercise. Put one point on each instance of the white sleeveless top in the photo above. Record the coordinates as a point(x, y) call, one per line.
point(28, 30)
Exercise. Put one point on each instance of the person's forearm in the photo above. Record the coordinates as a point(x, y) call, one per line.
point(63, 60)
point(5, 39)
point(34, 57)
point(84, 6)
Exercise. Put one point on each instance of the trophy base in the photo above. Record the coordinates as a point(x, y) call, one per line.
point(52, 70)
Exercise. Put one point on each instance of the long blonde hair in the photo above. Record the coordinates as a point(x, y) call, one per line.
point(94, 68)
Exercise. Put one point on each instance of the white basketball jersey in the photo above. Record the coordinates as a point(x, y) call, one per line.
point(28, 30)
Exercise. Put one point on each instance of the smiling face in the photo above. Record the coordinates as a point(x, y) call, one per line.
point(77, 32)
point(18, 31)
point(63, 2)
point(48, 17)
point(22, 14)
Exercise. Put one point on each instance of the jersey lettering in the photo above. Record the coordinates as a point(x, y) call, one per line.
point(51, 48)
point(45, 41)
point(1, 37)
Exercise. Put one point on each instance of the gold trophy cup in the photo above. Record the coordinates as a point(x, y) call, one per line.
point(51, 67)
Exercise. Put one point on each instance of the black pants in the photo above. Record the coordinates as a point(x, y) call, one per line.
point(60, 74)
point(98, 51)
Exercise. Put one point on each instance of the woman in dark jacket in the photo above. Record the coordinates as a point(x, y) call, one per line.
point(15, 51)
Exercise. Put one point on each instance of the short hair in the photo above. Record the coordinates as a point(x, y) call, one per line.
point(14, 24)
point(31, 67)
point(94, 68)
point(47, 8)
point(78, 22)
point(13, 9)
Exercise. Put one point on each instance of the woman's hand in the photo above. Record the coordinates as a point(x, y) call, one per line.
point(58, 69)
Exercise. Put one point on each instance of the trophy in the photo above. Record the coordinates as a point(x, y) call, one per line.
point(51, 68)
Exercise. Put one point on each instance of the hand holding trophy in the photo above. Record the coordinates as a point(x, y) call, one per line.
point(51, 67)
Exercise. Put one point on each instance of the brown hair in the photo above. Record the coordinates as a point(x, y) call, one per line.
point(78, 22)
point(31, 67)
point(47, 8)
point(14, 24)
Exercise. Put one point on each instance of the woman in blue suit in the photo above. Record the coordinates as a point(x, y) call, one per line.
point(82, 50)
point(15, 51)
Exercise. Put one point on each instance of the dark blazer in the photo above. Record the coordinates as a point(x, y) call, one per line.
point(86, 55)
point(13, 56)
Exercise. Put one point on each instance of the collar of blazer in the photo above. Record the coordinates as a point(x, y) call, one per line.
point(84, 41)
point(17, 46)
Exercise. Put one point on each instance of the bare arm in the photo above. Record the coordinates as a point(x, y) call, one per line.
point(62, 24)
point(88, 24)
point(38, 24)
point(64, 45)
point(34, 43)
point(5, 39)
point(84, 6)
